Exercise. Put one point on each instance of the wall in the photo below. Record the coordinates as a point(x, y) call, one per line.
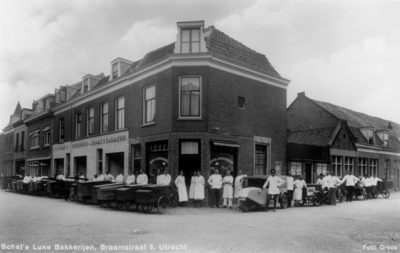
point(39, 125)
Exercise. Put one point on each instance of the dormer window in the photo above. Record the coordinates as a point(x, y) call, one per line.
point(370, 136)
point(190, 40)
point(386, 139)
point(119, 67)
point(115, 70)
point(86, 85)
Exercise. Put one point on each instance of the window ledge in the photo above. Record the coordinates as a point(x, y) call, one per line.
point(189, 119)
point(148, 124)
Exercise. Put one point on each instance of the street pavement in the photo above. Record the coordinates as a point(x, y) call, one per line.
point(41, 222)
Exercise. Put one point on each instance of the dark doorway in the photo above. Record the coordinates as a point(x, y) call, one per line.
point(308, 173)
point(115, 163)
point(80, 165)
point(189, 158)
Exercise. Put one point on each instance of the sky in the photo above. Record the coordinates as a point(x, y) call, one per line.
point(342, 52)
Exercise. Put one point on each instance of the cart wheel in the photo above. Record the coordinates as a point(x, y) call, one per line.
point(147, 208)
point(103, 203)
point(116, 204)
point(244, 208)
point(386, 194)
point(162, 205)
point(317, 200)
point(301, 202)
point(131, 206)
point(284, 201)
point(174, 200)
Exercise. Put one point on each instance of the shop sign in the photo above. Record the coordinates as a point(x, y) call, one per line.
point(159, 159)
point(221, 159)
point(60, 148)
point(100, 141)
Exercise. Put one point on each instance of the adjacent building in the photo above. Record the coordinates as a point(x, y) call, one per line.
point(323, 136)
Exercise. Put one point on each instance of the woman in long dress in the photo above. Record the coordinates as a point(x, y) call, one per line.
point(299, 184)
point(191, 189)
point(199, 183)
point(180, 183)
point(227, 182)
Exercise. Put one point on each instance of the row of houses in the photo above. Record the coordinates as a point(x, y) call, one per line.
point(203, 102)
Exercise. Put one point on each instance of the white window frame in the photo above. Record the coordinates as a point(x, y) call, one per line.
point(373, 166)
point(144, 104)
point(363, 165)
point(102, 114)
point(46, 138)
point(34, 139)
point(370, 134)
point(386, 142)
point(115, 72)
point(180, 97)
point(337, 161)
point(88, 119)
point(190, 39)
point(349, 164)
point(117, 109)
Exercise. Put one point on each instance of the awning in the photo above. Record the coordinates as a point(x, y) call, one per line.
point(226, 144)
point(46, 129)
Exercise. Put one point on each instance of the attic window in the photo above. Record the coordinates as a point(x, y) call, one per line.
point(190, 40)
point(386, 140)
point(86, 85)
point(370, 136)
point(115, 70)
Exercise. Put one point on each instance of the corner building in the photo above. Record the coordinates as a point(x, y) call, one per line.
point(204, 102)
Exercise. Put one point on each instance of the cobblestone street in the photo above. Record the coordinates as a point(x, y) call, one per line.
point(346, 227)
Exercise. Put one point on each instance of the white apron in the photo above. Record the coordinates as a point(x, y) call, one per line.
point(180, 183)
point(228, 189)
point(238, 185)
point(199, 187)
point(298, 191)
point(191, 189)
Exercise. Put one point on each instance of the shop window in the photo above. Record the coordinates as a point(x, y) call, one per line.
point(157, 158)
point(241, 101)
point(337, 165)
point(78, 133)
point(149, 104)
point(61, 129)
point(373, 166)
point(349, 164)
point(261, 160)
point(362, 166)
point(90, 121)
point(295, 168)
point(190, 40)
point(120, 113)
point(104, 117)
point(190, 97)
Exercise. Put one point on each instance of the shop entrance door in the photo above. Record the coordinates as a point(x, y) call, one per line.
point(80, 165)
point(115, 163)
point(59, 164)
point(189, 159)
point(308, 173)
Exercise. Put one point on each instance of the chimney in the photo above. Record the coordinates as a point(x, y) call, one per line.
point(390, 126)
point(34, 104)
point(301, 94)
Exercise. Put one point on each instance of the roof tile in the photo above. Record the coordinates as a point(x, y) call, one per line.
point(315, 137)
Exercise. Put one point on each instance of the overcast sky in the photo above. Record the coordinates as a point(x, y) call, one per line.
point(345, 53)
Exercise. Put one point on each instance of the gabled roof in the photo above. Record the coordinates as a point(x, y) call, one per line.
point(316, 137)
point(18, 109)
point(358, 119)
point(229, 48)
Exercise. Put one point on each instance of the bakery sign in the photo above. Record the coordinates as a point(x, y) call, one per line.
point(101, 141)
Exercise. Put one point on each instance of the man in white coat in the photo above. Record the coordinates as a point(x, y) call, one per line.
point(199, 183)
point(101, 176)
point(375, 180)
point(165, 179)
point(238, 186)
point(228, 189)
point(142, 178)
point(119, 179)
point(273, 182)
point(180, 184)
point(216, 183)
point(289, 182)
point(109, 176)
point(130, 179)
point(350, 180)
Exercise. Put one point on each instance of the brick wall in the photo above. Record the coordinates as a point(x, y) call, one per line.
point(39, 125)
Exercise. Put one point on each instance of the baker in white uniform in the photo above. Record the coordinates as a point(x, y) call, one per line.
point(180, 184)
point(130, 179)
point(273, 182)
point(238, 187)
point(228, 189)
point(142, 178)
point(199, 184)
point(119, 179)
point(165, 179)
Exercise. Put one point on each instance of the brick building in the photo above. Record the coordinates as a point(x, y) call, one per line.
point(323, 136)
point(8, 135)
point(203, 102)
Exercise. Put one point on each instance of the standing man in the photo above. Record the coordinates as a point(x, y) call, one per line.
point(368, 185)
point(375, 180)
point(120, 178)
point(215, 181)
point(130, 179)
point(238, 187)
point(165, 179)
point(228, 189)
point(333, 181)
point(320, 179)
point(289, 182)
point(142, 178)
point(350, 180)
point(273, 182)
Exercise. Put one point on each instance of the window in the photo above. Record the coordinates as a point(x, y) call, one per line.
point(120, 112)
point(370, 136)
point(295, 168)
point(114, 70)
point(137, 156)
point(10, 145)
point(78, 125)
point(34, 139)
point(373, 166)
point(321, 168)
point(190, 96)
point(99, 160)
point(104, 117)
point(362, 166)
point(337, 165)
point(61, 127)
point(149, 104)
point(46, 137)
point(349, 164)
point(22, 147)
point(189, 148)
point(6, 147)
point(386, 140)
point(190, 40)
point(387, 169)
point(90, 121)
point(241, 101)
point(261, 160)
point(17, 142)
point(86, 84)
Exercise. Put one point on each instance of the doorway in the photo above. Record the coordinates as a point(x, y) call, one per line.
point(59, 164)
point(80, 165)
point(308, 173)
point(115, 163)
point(189, 159)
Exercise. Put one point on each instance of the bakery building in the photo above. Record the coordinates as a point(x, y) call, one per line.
point(204, 102)
point(323, 136)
